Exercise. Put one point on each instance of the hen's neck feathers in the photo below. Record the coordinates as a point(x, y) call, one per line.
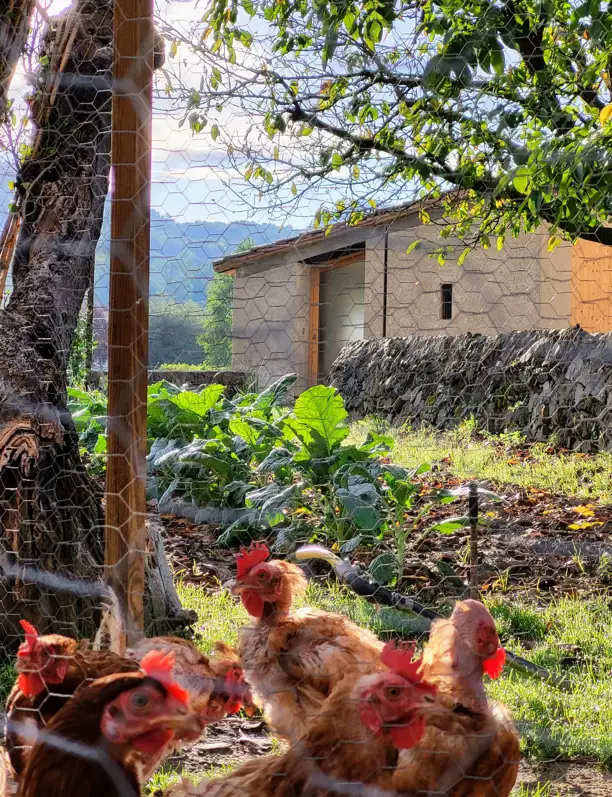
point(450, 664)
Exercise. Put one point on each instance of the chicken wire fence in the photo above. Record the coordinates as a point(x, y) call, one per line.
point(376, 255)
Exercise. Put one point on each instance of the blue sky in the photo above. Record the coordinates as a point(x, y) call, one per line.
point(192, 178)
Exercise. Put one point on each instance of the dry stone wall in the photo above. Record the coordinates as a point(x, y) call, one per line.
point(550, 385)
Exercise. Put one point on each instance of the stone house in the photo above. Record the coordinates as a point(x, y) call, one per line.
point(298, 301)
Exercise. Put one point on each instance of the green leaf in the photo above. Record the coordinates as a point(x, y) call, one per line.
point(257, 498)
point(198, 403)
point(214, 132)
point(272, 508)
point(350, 545)
point(336, 160)
point(244, 430)
point(463, 256)
point(403, 492)
point(275, 394)
point(320, 419)
point(276, 459)
point(414, 245)
point(498, 61)
point(383, 568)
point(329, 47)
point(522, 180)
point(234, 493)
point(450, 525)
point(360, 509)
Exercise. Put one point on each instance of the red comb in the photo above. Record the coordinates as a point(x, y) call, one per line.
point(256, 553)
point(399, 659)
point(31, 634)
point(160, 666)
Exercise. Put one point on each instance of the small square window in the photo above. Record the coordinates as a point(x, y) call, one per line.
point(447, 302)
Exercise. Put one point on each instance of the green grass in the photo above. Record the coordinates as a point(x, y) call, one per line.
point(167, 776)
point(472, 456)
point(7, 679)
point(538, 790)
point(552, 723)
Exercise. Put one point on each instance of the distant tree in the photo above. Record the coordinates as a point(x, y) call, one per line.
point(216, 337)
point(173, 331)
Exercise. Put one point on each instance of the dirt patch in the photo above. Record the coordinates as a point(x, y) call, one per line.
point(535, 545)
point(226, 743)
point(193, 552)
point(566, 778)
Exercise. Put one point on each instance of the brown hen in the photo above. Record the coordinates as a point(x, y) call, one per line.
point(96, 742)
point(470, 747)
point(50, 669)
point(215, 684)
point(294, 659)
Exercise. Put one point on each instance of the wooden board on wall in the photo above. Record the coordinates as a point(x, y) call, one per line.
point(591, 298)
point(313, 327)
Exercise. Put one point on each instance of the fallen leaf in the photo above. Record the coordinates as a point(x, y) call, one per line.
point(585, 511)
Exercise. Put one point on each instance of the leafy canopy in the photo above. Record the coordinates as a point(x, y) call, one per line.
point(506, 105)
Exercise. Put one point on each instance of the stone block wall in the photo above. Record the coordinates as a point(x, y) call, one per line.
point(548, 384)
point(270, 332)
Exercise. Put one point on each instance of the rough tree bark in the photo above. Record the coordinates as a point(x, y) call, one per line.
point(50, 511)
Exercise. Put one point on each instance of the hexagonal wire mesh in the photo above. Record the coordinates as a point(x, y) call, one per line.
point(373, 231)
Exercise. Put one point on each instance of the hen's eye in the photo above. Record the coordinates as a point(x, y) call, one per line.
point(393, 692)
point(140, 700)
point(262, 576)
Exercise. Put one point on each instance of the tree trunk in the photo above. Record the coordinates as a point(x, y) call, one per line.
point(15, 17)
point(50, 510)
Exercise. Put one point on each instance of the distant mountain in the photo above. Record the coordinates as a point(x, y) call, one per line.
point(182, 254)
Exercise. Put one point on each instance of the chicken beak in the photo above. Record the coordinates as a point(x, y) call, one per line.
point(187, 722)
point(234, 587)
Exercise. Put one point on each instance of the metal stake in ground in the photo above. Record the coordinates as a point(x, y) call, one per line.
point(473, 515)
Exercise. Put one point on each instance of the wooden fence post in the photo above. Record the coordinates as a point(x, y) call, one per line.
point(125, 533)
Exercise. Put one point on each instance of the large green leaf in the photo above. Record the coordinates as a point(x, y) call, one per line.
point(277, 458)
point(257, 498)
point(244, 430)
point(276, 393)
point(383, 568)
point(361, 509)
point(320, 419)
point(198, 403)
